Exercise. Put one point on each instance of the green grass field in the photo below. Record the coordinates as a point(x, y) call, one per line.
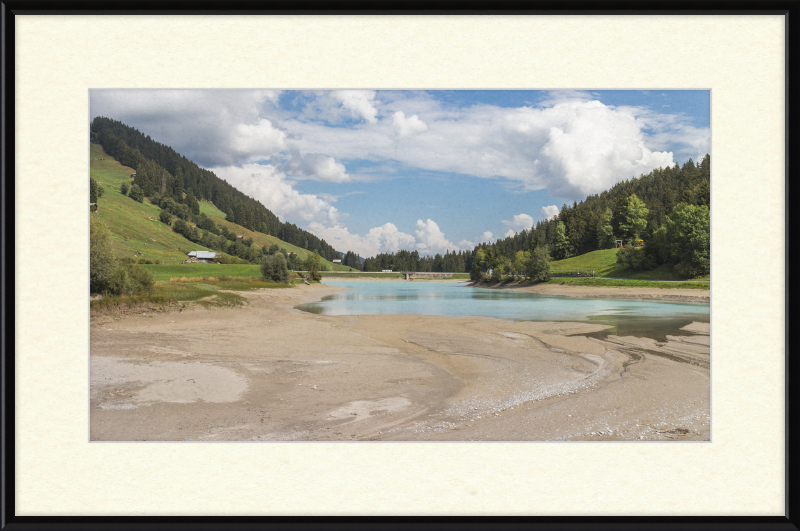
point(604, 263)
point(625, 283)
point(162, 273)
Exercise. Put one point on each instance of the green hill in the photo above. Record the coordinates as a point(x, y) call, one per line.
point(135, 227)
point(604, 263)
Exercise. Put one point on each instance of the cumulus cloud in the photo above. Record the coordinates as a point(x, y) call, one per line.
point(255, 141)
point(487, 236)
point(387, 238)
point(266, 184)
point(210, 127)
point(548, 212)
point(430, 239)
point(519, 222)
point(358, 102)
point(316, 166)
point(384, 239)
point(407, 126)
point(573, 146)
point(509, 233)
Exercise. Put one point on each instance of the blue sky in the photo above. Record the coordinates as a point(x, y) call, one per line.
point(377, 171)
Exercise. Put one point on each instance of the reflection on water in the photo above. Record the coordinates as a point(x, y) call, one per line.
point(635, 318)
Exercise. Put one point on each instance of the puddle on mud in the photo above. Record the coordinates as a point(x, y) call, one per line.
point(649, 327)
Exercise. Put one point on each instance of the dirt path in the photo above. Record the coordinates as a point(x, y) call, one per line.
point(270, 372)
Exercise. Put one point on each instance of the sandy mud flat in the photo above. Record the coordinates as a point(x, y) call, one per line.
point(268, 372)
point(605, 292)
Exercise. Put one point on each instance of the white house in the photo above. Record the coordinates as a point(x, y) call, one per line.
point(337, 261)
point(203, 256)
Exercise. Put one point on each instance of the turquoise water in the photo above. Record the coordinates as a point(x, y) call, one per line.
point(641, 318)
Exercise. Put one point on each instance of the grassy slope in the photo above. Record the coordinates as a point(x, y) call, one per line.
point(605, 264)
point(138, 221)
point(146, 234)
point(218, 217)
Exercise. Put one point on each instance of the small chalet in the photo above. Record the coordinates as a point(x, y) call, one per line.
point(337, 261)
point(203, 256)
point(133, 175)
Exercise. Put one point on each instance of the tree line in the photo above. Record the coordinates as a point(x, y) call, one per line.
point(667, 209)
point(160, 169)
point(450, 262)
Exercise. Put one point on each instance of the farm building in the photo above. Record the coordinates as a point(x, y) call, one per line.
point(337, 261)
point(203, 256)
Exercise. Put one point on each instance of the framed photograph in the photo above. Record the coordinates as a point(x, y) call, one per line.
point(359, 265)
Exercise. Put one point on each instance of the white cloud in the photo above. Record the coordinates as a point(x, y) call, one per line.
point(466, 245)
point(257, 141)
point(519, 222)
point(487, 236)
point(316, 166)
point(387, 238)
point(407, 126)
point(384, 239)
point(430, 239)
point(509, 233)
point(268, 185)
point(209, 127)
point(548, 212)
point(574, 147)
point(358, 102)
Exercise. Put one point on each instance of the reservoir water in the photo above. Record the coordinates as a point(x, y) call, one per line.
point(628, 317)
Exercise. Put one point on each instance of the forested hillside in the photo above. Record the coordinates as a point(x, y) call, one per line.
point(160, 169)
point(585, 223)
point(668, 210)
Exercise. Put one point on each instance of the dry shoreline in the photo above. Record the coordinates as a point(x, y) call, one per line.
point(605, 292)
point(269, 372)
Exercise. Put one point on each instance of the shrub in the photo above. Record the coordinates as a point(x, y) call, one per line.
point(124, 188)
point(136, 193)
point(165, 217)
point(274, 268)
point(130, 279)
point(635, 258)
point(102, 263)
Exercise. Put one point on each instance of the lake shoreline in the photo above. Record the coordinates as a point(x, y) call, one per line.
point(603, 292)
point(566, 290)
point(270, 372)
